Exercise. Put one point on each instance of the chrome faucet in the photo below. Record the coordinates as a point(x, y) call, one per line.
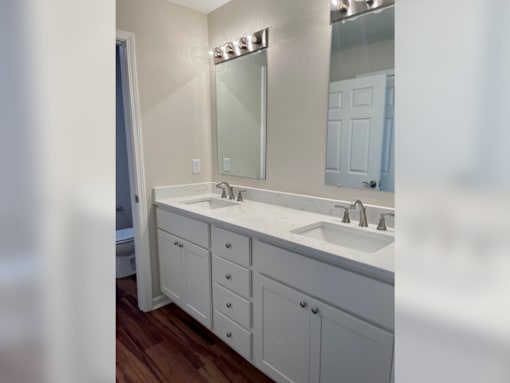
point(382, 221)
point(362, 212)
point(230, 189)
point(345, 218)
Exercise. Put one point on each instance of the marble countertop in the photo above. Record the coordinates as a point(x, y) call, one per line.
point(274, 224)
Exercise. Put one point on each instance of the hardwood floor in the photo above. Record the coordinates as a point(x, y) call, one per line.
point(167, 345)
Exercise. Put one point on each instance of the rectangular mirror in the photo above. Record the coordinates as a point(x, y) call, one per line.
point(360, 139)
point(241, 115)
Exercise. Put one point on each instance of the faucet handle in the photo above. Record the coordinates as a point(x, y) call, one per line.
point(231, 193)
point(382, 221)
point(345, 218)
point(240, 196)
point(222, 187)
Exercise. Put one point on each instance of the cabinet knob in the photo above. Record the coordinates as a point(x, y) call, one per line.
point(302, 304)
point(315, 310)
point(181, 245)
point(229, 334)
point(176, 243)
point(229, 305)
point(228, 276)
point(228, 245)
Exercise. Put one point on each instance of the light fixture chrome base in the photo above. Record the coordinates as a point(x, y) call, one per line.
point(240, 47)
point(344, 9)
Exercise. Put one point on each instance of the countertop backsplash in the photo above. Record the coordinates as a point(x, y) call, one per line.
point(295, 201)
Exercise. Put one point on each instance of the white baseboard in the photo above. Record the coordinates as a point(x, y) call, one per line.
point(160, 301)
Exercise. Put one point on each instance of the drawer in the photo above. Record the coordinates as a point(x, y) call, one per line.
point(233, 246)
point(355, 293)
point(184, 227)
point(232, 305)
point(232, 334)
point(231, 276)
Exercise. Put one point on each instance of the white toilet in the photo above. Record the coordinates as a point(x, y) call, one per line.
point(125, 253)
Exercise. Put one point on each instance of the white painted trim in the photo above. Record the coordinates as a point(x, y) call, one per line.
point(160, 301)
point(136, 171)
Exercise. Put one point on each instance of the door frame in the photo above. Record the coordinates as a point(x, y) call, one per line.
point(136, 169)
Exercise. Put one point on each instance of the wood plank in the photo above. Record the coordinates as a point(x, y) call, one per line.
point(174, 364)
point(168, 345)
point(131, 369)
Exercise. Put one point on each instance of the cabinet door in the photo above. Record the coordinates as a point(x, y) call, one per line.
point(282, 331)
point(345, 349)
point(171, 267)
point(197, 280)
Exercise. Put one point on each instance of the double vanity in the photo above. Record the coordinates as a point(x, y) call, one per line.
point(299, 294)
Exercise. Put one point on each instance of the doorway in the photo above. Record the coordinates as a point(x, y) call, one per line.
point(135, 179)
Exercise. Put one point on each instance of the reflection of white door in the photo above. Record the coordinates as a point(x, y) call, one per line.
point(355, 131)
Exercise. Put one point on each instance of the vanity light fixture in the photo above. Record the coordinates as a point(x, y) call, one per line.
point(229, 49)
point(241, 46)
point(215, 53)
point(342, 6)
point(242, 43)
point(344, 9)
point(255, 39)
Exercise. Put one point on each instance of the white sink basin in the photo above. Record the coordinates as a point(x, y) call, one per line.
point(210, 203)
point(349, 237)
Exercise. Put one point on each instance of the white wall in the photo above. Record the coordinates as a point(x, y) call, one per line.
point(298, 78)
point(453, 188)
point(173, 77)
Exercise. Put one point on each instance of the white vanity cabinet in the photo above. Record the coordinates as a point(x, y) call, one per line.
point(232, 289)
point(184, 266)
point(295, 317)
point(299, 338)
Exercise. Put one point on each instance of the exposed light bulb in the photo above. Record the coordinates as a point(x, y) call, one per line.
point(242, 44)
point(229, 48)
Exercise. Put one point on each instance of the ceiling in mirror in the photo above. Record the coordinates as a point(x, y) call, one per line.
point(203, 6)
point(360, 139)
point(364, 31)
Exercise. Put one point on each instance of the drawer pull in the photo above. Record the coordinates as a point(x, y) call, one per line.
point(302, 304)
point(315, 310)
point(176, 243)
point(228, 276)
point(181, 245)
point(228, 304)
point(229, 334)
point(228, 245)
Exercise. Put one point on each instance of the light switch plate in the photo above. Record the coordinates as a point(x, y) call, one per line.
point(226, 164)
point(196, 165)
